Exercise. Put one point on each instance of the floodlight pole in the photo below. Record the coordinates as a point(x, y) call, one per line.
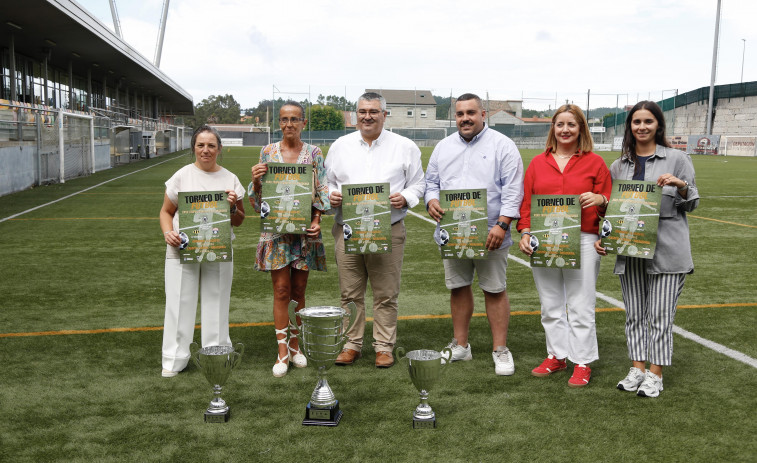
point(714, 68)
point(161, 33)
point(116, 21)
point(743, 51)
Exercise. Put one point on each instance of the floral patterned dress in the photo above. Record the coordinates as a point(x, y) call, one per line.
point(277, 250)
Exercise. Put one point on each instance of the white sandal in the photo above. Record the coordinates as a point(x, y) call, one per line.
point(298, 359)
point(281, 366)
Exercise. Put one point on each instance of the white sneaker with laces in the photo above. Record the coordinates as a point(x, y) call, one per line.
point(651, 386)
point(632, 381)
point(503, 361)
point(458, 352)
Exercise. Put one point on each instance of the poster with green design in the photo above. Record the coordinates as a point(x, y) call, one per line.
point(464, 226)
point(287, 197)
point(556, 231)
point(204, 227)
point(367, 217)
point(630, 224)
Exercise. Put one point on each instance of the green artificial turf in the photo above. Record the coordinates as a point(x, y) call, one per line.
point(94, 261)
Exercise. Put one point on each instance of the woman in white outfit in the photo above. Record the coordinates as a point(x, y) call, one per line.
point(212, 279)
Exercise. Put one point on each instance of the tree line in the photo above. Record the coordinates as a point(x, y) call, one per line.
point(325, 111)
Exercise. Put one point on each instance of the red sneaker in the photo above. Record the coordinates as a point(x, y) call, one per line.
point(549, 366)
point(581, 376)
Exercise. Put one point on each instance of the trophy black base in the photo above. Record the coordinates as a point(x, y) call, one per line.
point(217, 417)
point(424, 423)
point(322, 416)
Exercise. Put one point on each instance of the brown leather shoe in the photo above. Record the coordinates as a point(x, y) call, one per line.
point(347, 357)
point(384, 359)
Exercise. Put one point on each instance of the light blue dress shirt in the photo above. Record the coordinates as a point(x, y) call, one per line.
point(490, 160)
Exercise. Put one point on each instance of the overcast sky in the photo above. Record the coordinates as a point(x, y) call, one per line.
point(540, 51)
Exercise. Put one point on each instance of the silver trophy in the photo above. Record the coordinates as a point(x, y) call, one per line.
point(216, 363)
point(425, 368)
point(322, 335)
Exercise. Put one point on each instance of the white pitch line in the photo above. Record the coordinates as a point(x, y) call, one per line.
point(728, 352)
point(86, 189)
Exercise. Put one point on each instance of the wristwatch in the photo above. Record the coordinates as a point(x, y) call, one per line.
point(504, 226)
point(685, 187)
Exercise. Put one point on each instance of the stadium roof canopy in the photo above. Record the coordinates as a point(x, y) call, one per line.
point(62, 29)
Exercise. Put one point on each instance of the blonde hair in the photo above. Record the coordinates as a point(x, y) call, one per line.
point(585, 143)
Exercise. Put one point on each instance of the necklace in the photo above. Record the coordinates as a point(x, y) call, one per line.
point(564, 156)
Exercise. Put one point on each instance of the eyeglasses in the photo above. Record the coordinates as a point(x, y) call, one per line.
point(372, 112)
point(293, 120)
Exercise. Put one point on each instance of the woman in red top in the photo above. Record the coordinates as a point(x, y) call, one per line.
point(568, 297)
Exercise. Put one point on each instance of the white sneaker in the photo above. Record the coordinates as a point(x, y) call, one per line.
point(169, 373)
point(632, 381)
point(651, 386)
point(458, 352)
point(503, 361)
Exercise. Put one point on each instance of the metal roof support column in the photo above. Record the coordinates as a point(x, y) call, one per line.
point(89, 88)
point(12, 56)
point(70, 85)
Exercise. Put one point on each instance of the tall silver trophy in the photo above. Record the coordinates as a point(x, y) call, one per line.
point(216, 363)
point(322, 335)
point(425, 368)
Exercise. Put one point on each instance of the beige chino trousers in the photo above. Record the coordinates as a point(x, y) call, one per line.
point(384, 273)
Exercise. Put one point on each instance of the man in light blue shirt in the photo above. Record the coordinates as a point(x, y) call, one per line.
point(479, 157)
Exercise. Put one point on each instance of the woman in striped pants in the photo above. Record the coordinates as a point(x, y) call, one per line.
point(651, 287)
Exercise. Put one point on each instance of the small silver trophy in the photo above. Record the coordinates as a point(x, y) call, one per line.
point(216, 363)
point(322, 337)
point(425, 368)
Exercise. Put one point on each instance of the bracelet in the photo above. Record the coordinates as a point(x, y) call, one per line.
point(607, 201)
point(169, 231)
point(526, 233)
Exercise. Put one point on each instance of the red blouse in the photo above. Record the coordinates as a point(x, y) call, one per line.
point(584, 172)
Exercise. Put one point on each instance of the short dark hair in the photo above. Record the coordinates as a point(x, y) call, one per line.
point(296, 105)
point(470, 96)
point(205, 128)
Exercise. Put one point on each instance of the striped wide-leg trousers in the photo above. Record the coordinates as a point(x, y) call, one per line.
point(650, 301)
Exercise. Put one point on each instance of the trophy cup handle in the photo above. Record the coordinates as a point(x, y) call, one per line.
point(194, 352)
point(399, 354)
point(293, 318)
point(238, 351)
point(353, 314)
point(448, 353)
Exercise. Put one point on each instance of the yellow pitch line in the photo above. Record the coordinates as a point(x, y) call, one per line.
point(86, 218)
point(402, 317)
point(723, 221)
point(125, 193)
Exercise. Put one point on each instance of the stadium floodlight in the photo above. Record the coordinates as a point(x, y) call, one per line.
point(743, 51)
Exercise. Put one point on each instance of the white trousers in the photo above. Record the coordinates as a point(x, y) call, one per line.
point(568, 299)
point(213, 279)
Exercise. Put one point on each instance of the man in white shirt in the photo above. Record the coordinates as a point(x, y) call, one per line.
point(479, 157)
point(373, 155)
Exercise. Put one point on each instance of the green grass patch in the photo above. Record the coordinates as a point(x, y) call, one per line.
point(95, 261)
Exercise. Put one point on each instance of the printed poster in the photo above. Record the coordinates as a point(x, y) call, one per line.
point(630, 225)
point(367, 217)
point(287, 197)
point(204, 227)
point(464, 226)
point(556, 231)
